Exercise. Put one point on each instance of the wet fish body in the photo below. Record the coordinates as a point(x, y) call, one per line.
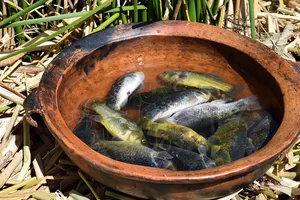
point(123, 88)
point(84, 130)
point(187, 160)
point(117, 124)
point(206, 114)
point(195, 79)
point(178, 135)
point(143, 99)
point(230, 142)
point(174, 103)
point(134, 154)
point(260, 132)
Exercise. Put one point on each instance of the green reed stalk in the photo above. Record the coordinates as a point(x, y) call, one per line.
point(21, 13)
point(204, 6)
point(144, 16)
point(215, 7)
point(47, 19)
point(157, 10)
point(135, 11)
point(150, 10)
point(107, 22)
point(18, 29)
point(252, 20)
point(124, 18)
point(192, 10)
point(198, 10)
point(69, 26)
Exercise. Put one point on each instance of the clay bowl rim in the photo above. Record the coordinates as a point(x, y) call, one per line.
point(284, 74)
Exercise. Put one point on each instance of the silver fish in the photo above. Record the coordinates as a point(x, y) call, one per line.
point(123, 88)
point(174, 103)
point(134, 153)
point(209, 113)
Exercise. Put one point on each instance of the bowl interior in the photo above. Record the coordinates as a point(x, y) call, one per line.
point(93, 76)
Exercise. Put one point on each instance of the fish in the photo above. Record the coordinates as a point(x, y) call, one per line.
point(85, 130)
point(262, 130)
point(206, 114)
point(123, 87)
point(173, 103)
point(143, 99)
point(117, 124)
point(195, 79)
point(187, 160)
point(178, 135)
point(134, 153)
point(230, 142)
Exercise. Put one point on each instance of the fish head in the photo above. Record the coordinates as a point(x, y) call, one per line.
point(164, 163)
point(172, 76)
point(221, 157)
point(214, 140)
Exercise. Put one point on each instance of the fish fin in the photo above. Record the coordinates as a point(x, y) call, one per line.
point(116, 139)
point(215, 148)
point(202, 149)
point(219, 101)
point(253, 103)
point(141, 86)
point(213, 76)
point(93, 117)
point(159, 147)
point(164, 155)
point(236, 90)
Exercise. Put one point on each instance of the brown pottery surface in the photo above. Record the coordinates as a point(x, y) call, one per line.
point(89, 67)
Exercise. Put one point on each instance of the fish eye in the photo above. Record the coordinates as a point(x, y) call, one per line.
point(182, 75)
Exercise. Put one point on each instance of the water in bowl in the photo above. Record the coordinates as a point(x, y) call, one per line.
point(184, 121)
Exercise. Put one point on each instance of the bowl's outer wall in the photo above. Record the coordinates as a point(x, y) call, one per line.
point(159, 183)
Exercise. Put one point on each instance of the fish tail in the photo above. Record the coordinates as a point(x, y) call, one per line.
point(202, 149)
point(206, 94)
point(252, 103)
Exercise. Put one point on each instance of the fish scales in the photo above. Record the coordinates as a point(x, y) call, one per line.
point(123, 88)
point(195, 79)
point(207, 113)
point(178, 135)
point(118, 125)
point(174, 103)
point(133, 153)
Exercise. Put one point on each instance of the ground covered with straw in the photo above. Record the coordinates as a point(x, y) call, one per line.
point(32, 33)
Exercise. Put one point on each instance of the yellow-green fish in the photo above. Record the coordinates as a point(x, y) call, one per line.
point(195, 79)
point(230, 142)
point(178, 135)
point(117, 124)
